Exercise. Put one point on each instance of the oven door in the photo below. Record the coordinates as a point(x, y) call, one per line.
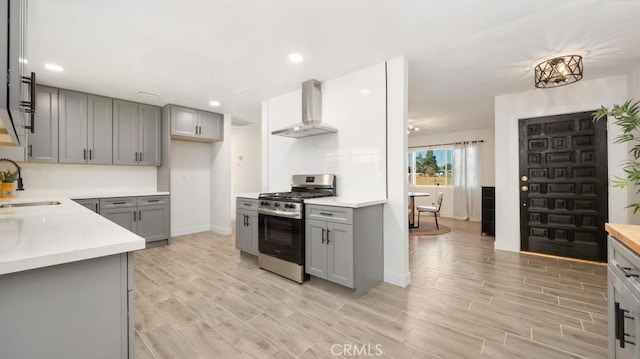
point(281, 237)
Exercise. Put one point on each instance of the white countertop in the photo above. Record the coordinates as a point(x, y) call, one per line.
point(86, 194)
point(247, 195)
point(351, 202)
point(42, 236)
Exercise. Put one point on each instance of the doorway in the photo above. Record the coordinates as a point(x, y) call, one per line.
point(563, 186)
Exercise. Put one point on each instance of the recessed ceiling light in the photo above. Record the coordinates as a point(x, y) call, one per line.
point(243, 89)
point(214, 103)
point(296, 58)
point(54, 67)
point(365, 91)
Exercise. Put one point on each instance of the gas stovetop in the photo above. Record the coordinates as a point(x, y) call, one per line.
point(293, 196)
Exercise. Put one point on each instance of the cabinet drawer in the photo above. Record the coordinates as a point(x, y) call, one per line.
point(153, 200)
point(119, 202)
point(247, 204)
point(625, 264)
point(329, 213)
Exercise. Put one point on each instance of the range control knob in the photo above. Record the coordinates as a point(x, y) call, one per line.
point(264, 203)
point(289, 206)
point(276, 204)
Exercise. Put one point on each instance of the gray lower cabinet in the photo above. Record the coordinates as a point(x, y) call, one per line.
point(136, 134)
point(42, 144)
point(624, 302)
point(195, 125)
point(91, 203)
point(82, 309)
point(146, 216)
point(247, 225)
point(86, 131)
point(344, 245)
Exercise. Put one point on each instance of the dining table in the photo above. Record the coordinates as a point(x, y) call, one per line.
point(412, 205)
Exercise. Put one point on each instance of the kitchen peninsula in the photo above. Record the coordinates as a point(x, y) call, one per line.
point(66, 281)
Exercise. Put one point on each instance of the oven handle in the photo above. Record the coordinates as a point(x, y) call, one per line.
point(274, 213)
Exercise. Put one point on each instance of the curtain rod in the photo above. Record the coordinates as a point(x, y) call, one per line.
point(448, 144)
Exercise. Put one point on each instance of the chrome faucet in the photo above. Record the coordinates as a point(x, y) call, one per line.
point(20, 186)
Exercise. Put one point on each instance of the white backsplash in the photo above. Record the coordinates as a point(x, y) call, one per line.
point(69, 180)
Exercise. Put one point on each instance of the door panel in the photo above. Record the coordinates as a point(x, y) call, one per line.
point(252, 230)
point(125, 132)
point(122, 217)
point(43, 142)
point(150, 135)
point(153, 222)
point(210, 125)
point(315, 249)
point(100, 130)
point(183, 121)
point(340, 254)
point(563, 179)
point(73, 126)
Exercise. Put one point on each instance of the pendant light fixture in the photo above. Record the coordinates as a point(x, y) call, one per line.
point(558, 71)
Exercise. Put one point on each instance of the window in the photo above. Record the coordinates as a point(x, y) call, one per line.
point(428, 167)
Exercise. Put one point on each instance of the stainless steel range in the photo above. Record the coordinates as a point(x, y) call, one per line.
point(281, 224)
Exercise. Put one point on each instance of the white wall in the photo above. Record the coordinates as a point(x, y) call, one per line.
point(245, 161)
point(585, 95)
point(487, 165)
point(356, 154)
point(190, 187)
point(73, 180)
point(220, 167)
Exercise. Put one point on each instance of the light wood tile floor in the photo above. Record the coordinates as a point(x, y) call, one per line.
point(199, 298)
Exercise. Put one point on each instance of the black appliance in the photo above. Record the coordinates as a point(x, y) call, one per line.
point(281, 224)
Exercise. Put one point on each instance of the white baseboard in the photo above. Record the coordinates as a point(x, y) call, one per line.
point(221, 230)
point(400, 279)
point(188, 230)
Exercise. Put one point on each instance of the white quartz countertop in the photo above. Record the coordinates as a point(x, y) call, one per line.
point(42, 236)
point(132, 193)
point(86, 194)
point(351, 202)
point(247, 195)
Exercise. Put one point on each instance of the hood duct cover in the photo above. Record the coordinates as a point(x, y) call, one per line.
point(311, 124)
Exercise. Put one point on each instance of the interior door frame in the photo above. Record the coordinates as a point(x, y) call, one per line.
point(601, 168)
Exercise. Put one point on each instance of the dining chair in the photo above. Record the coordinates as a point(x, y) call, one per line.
point(432, 209)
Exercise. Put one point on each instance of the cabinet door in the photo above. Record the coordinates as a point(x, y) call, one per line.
point(91, 204)
point(340, 254)
point(42, 144)
point(149, 135)
point(100, 129)
point(125, 133)
point(316, 248)
point(153, 222)
point(183, 121)
point(122, 216)
point(621, 310)
point(242, 232)
point(252, 229)
point(210, 125)
point(73, 126)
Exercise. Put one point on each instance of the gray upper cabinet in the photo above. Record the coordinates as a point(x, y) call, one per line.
point(42, 144)
point(195, 125)
point(73, 126)
point(136, 134)
point(100, 130)
point(125, 133)
point(86, 129)
point(210, 125)
point(149, 135)
point(184, 121)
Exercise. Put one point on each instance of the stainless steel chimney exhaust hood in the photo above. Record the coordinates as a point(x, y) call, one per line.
point(311, 124)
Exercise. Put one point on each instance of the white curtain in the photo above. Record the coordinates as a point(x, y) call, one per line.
point(467, 174)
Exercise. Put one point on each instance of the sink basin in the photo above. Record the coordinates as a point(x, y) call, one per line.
point(29, 204)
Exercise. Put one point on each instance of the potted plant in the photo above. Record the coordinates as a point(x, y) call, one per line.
point(6, 187)
point(626, 116)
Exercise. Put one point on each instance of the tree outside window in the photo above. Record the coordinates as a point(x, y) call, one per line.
point(432, 167)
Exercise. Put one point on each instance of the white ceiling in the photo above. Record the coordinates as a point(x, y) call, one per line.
point(461, 53)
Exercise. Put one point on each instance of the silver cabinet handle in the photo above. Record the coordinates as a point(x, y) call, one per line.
point(326, 214)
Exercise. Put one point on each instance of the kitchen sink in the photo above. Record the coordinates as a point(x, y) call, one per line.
point(29, 204)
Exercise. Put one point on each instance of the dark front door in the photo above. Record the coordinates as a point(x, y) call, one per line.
point(563, 186)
